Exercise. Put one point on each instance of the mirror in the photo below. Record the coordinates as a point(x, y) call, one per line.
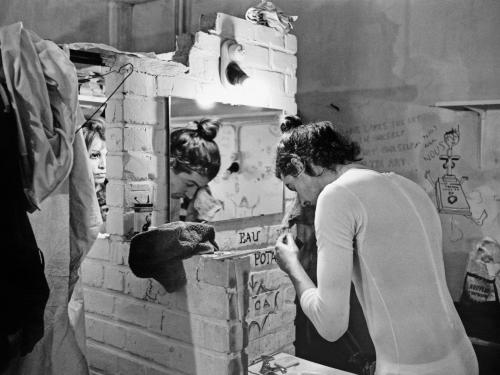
point(92, 104)
point(245, 186)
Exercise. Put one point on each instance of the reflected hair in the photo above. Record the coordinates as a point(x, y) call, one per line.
point(194, 150)
point(94, 127)
point(288, 122)
point(320, 143)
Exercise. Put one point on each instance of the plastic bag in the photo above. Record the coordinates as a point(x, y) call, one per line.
point(482, 280)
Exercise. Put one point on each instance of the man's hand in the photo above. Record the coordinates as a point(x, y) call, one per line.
point(287, 257)
point(287, 253)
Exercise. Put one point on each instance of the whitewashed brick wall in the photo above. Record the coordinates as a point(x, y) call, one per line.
point(237, 305)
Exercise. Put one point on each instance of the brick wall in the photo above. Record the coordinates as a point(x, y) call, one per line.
point(236, 305)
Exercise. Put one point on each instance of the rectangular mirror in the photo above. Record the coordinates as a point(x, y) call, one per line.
point(246, 185)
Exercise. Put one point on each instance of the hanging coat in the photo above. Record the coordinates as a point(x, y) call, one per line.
point(43, 86)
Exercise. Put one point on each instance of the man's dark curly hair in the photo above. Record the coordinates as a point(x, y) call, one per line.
point(320, 143)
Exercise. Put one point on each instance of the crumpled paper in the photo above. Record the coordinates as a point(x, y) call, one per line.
point(267, 14)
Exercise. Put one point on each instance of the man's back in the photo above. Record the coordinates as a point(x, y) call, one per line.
point(399, 277)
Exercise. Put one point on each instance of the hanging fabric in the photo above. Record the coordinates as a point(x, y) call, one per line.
point(43, 85)
point(24, 289)
point(55, 177)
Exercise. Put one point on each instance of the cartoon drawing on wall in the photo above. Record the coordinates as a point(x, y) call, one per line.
point(450, 196)
point(245, 204)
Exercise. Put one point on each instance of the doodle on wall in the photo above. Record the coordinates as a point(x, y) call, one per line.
point(450, 195)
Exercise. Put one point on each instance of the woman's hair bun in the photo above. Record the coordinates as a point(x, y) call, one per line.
point(207, 128)
point(290, 122)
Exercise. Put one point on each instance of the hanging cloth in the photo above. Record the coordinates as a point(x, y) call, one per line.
point(42, 83)
point(23, 287)
point(268, 14)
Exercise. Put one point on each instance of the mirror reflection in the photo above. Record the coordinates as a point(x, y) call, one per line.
point(244, 185)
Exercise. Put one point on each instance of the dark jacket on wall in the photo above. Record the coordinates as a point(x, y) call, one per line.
point(24, 289)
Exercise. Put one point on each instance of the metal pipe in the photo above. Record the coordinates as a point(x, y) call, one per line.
point(168, 108)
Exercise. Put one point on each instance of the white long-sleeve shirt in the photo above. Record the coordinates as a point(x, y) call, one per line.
point(382, 231)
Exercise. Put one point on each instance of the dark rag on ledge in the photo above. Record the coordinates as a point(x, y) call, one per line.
point(158, 253)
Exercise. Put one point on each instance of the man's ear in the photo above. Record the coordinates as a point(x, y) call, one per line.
point(298, 165)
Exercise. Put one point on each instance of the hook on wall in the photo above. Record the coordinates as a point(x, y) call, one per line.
point(122, 69)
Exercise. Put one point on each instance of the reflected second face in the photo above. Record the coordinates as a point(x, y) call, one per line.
point(184, 184)
point(97, 156)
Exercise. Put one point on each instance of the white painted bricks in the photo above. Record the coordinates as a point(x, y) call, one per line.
point(114, 139)
point(138, 138)
point(256, 56)
point(114, 278)
point(114, 110)
point(100, 249)
point(143, 110)
point(232, 27)
point(232, 308)
point(131, 341)
point(141, 84)
point(210, 325)
point(203, 65)
point(139, 165)
point(114, 165)
point(283, 62)
point(271, 343)
point(291, 43)
point(119, 250)
point(290, 84)
point(120, 221)
point(207, 42)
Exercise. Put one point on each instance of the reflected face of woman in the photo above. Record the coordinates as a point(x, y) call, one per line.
point(97, 156)
point(184, 184)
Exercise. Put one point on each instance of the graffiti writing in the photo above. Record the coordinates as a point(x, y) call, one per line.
point(249, 237)
point(255, 327)
point(257, 285)
point(264, 258)
point(264, 303)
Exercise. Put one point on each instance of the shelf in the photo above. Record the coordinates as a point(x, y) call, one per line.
point(489, 119)
point(470, 105)
point(91, 100)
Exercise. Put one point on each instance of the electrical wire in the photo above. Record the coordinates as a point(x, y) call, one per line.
point(122, 69)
